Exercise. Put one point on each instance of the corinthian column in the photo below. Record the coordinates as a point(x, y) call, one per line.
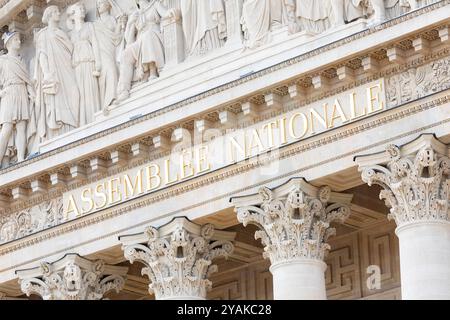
point(72, 278)
point(295, 223)
point(415, 182)
point(178, 257)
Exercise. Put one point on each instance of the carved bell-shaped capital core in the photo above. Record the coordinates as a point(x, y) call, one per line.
point(415, 179)
point(295, 223)
point(72, 278)
point(294, 219)
point(178, 257)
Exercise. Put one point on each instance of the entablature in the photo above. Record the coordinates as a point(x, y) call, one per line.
point(91, 157)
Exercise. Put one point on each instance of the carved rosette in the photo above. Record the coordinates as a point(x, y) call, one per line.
point(415, 186)
point(70, 280)
point(295, 224)
point(179, 263)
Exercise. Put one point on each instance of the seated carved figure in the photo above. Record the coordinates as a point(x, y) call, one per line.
point(143, 57)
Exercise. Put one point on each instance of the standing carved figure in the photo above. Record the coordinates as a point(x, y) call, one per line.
point(16, 98)
point(260, 17)
point(58, 97)
point(346, 11)
point(109, 31)
point(312, 15)
point(86, 60)
point(143, 57)
point(204, 25)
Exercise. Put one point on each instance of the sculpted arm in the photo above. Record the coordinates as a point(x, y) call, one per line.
point(130, 30)
point(96, 49)
point(43, 62)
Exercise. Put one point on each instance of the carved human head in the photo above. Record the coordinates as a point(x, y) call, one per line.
point(12, 40)
point(77, 11)
point(103, 6)
point(52, 13)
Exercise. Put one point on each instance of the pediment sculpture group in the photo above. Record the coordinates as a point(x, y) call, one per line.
point(92, 66)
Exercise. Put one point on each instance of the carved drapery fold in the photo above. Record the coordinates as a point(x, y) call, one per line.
point(415, 183)
point(294, 222)
point(72, 278)
point(150, 40)
point(178, 257)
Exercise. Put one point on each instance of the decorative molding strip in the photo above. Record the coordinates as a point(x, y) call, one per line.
point(288, 151)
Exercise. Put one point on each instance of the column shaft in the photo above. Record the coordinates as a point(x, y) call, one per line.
point(299, 280)
point(425, 260)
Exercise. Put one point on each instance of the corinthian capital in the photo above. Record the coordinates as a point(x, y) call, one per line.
point(72, 278)
point(178, 257)
point(294, 219)
point(415, 179)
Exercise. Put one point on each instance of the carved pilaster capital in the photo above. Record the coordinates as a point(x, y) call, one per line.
point(72, 278)
point(294, 219)
point(415, 179)
point(178, 257)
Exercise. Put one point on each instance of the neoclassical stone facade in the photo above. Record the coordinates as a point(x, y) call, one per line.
point(226, 149)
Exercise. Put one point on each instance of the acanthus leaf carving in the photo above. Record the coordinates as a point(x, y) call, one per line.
point(179, 262)
point(295, 224)
point(415, 185)
point(72, 278)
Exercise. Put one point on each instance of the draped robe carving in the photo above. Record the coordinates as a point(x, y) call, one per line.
point(204, 25)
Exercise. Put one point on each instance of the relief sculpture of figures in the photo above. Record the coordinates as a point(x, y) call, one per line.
point(204, 25)
point(16, 99)
point(143, 57)
point(109, 33)
point(58, 97)
point(260, 17)
point(313, 16)
point(86, 61)
point(347, 11)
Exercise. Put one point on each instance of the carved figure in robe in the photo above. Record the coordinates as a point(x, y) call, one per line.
point(16, 99)
point(109, 31)
point(86, 60)
point(143, 58)
point(312, 15)
point(58, 97)
point(204, 25)
point(346, 11)
point(260, 17)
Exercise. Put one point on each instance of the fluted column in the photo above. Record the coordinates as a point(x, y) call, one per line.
point(178, 257)
point(416, 179)
point(72, 278)
point(295, 223)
